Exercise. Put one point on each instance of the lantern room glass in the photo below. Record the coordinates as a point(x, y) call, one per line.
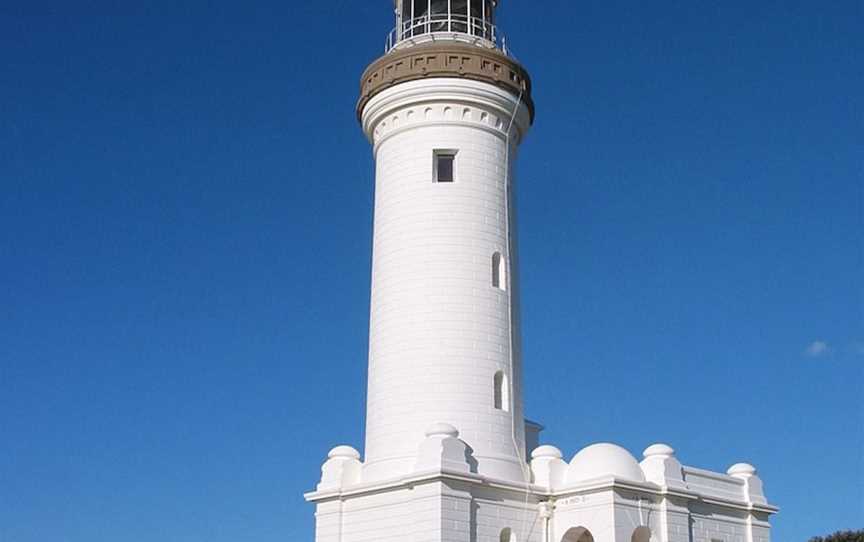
point(472, 17)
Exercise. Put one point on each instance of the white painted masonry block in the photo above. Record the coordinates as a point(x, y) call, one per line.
point(662, 468)
point(342, 468)
point(752, 483)
point(443, 451)
point(548, 467)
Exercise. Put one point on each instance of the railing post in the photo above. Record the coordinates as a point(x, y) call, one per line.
point(449, 17)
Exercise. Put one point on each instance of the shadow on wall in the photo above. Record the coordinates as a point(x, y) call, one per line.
point(469, 458)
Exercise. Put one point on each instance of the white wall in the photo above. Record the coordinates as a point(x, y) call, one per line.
point(430, 512)
point(439, 329)
point(613, 516)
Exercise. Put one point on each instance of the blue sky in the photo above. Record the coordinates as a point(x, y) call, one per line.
point(185, 233)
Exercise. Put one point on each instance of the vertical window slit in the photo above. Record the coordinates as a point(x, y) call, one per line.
point(501, 399)
point(499, 278)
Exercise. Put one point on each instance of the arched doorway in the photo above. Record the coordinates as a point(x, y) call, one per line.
point(578, 534)
point(641, 534)
point(507, 535)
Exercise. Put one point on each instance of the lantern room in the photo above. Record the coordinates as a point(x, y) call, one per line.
point(473, 20)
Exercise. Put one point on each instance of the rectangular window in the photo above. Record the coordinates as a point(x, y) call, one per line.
point(444, 166)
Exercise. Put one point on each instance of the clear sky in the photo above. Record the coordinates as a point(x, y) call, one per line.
point(185, 234)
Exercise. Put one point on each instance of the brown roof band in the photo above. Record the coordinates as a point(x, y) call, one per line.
point(445, 60)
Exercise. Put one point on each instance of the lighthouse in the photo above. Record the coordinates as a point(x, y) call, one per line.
point(449, 455)
point(444, 110)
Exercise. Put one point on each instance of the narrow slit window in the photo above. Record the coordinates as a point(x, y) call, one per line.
point(499, 280)
point(445, 166)
point(501, 400)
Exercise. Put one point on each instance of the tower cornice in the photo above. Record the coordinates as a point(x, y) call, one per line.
point(444, 102)
point(445, 59)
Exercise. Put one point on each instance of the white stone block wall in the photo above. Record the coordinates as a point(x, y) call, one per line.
point(713, 523)
point(390, 516)
point(615, 515)
point(498, 510)
point(328, 521)
point(439, 329)
point(761, 528)
point(714, 483)
point(676, 516)
point(594, 512)
point(634, 510)
point(433, 511)
point(440, 511)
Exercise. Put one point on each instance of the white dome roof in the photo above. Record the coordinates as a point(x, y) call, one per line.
point(604, 460)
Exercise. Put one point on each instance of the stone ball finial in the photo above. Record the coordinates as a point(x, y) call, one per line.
point(342, 468)
point(661, 467)
point(752, 483)
point(443, 451)
point(741, 470)
point(442, 430)
point(658, 450)
point(343, 451)
point(546, 451)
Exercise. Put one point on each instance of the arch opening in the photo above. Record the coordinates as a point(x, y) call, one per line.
point(641, 534)
point(578, 534)
point(507, 535)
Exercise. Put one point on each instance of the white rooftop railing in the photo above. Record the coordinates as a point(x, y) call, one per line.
point(447, 26)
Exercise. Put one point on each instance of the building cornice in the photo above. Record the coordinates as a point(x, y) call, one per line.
point(445, 58)
point(422, 478)
point(444, 101)
point(592, 486)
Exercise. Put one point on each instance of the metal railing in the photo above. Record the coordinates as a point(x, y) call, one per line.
point(453, 24)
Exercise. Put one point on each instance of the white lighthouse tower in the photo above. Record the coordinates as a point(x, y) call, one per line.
point(444, 110)
point(447, 445)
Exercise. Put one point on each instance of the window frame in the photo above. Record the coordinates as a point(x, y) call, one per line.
point(437, 155)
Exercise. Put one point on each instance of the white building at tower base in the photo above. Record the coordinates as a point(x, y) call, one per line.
point(603, 494)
